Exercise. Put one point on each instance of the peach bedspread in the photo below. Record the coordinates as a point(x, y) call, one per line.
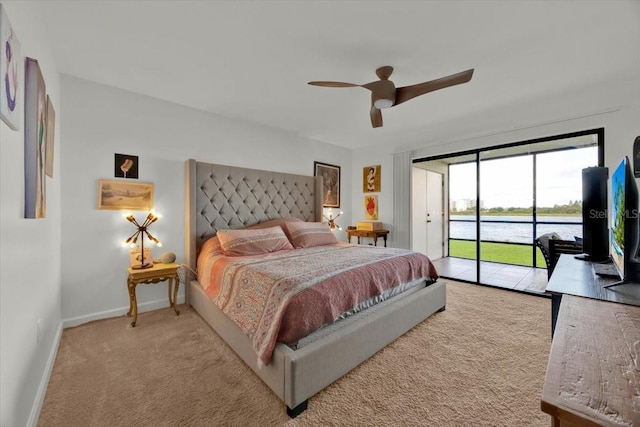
point(286, 295)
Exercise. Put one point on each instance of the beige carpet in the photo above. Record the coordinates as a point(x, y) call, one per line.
point(479, 363)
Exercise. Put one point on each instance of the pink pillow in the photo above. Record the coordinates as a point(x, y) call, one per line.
point(308, 234)
point(253, 241)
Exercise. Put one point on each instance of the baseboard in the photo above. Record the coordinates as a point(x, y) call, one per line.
point(120, 311)
point(44, 382)
point(75, 321)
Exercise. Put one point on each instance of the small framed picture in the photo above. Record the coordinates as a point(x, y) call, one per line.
point(330, 183)
point(370, 207)
point(126, 166)
point(116, 195)
point(371, 179)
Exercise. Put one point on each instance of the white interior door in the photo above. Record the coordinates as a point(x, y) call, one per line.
point(434, 214)
point(419, 210)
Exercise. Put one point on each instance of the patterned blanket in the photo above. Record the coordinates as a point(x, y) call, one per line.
point(256, 292)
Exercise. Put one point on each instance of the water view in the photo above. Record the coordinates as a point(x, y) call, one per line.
point(493, 228)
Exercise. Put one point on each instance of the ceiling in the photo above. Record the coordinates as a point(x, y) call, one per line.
point(251, 60)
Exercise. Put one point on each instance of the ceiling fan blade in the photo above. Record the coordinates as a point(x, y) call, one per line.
point(333, 84)
point(376, 117)
point(406, 93)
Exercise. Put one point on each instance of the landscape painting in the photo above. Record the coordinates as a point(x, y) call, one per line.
point(117, 195)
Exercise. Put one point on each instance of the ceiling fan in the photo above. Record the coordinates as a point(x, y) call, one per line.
point(384, 94)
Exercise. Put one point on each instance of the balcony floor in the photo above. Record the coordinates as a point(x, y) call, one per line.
point(515, 277)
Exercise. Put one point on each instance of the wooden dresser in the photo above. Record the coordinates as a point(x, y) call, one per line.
point(593, 375)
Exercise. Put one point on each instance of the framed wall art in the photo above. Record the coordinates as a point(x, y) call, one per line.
point(50, 132)
point(126, 166)
point(117, 195)
point(10, 79)
point(371, 179)
point(330, 183)
point(370, 207)
point(35, 116)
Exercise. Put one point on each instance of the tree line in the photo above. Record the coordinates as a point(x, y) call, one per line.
point(574, 207)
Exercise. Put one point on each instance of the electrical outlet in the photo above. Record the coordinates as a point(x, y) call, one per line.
point(38, 330)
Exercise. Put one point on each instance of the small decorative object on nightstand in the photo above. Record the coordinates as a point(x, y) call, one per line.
point(154, 274)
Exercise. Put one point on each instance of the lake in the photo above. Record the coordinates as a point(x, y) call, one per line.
point(490, 229)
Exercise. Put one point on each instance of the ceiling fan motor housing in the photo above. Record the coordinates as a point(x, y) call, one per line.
point(383, 93)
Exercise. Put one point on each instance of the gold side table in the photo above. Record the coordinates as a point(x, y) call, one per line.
point(157, 273)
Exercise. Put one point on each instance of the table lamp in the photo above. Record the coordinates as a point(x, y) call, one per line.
point(141, 230)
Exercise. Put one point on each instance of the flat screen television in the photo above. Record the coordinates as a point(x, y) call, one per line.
point(624, 224)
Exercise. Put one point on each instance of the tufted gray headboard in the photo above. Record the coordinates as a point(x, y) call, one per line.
point(219, 197)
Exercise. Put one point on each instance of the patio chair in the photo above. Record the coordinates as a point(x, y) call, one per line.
point(552, 246)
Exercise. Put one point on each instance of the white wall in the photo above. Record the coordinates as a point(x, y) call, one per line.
point(30, 278)
point(100, 121)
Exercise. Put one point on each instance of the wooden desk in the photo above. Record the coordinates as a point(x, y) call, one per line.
point(374, 234)
point(157, 273)
point(575, 277)
point(593, 375)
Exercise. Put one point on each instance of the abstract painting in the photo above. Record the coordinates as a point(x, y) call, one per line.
point(35, 116)
point(10, 84)
point(330, 183)
point(50, 132)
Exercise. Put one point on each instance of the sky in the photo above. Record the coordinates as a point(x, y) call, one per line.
point(508, 182)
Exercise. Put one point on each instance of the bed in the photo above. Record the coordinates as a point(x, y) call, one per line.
point(220, 197)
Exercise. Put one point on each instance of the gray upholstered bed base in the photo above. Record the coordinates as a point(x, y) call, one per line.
point(296, 375)
point(219, 196)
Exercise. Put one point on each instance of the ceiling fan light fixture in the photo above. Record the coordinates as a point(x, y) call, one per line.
point(383, 103)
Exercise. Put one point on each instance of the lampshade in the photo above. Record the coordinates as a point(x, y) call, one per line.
point(383, 103)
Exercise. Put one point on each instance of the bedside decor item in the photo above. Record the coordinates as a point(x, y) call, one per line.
point(371, 207)
point(50, 135)
point(10, 82)
point(146, 261)
point(371, 179)
point(115, 195)
point(330, 183)
point(168, 257)
point(331, 220)
point(35, 111)
point(125, 166)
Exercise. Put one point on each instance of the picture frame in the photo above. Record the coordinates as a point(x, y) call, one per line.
point(125, 166)
point(121, 195)
point(50, 136)
point(35, 115)
point(371, 207)
point(10, 78)
point(371, 176)
point(330, 183)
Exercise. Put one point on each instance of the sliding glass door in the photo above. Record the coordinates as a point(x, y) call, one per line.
point(501, 199)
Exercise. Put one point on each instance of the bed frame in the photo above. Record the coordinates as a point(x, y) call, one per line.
point(220, 197)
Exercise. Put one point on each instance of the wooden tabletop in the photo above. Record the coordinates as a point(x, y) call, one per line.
point(593, 376)
point(576, 277)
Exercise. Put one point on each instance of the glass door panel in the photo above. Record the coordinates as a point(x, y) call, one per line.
point(463, 223)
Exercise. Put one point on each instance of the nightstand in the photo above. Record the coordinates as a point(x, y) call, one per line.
point(374, 234)
point(157, 273)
